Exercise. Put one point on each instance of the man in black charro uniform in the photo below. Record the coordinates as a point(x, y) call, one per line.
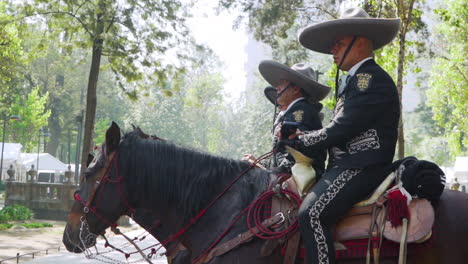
point(297, 95)
point(362, 135)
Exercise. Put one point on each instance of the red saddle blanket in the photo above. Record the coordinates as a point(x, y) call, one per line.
point(357, 249)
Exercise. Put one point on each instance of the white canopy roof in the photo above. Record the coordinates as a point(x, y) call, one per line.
point(11, 151)
point(461, 169)
point(47, 162)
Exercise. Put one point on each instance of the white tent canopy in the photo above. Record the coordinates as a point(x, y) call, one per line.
point(461, 169)
point(47, 162)
point(11, 151)
point(11, 155)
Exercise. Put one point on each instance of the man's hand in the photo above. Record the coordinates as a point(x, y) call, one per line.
point(249, 158)
point(296, 134)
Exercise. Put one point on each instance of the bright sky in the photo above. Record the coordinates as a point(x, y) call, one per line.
point(217, 33)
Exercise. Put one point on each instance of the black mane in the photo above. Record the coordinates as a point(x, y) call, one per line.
point(162, 172)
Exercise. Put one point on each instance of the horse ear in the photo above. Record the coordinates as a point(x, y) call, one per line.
point(140, 132)
point(112, 137)
point(133, 127)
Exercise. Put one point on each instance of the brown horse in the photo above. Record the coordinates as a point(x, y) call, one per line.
point(176, 183)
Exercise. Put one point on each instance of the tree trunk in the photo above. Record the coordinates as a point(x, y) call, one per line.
point(55, 128)
point(401, 61)
point(91, 101)
point(405, 14)
point(54, 120)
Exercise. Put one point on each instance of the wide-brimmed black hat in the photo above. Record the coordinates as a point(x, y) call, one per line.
point(352, 22)
point(299, 74)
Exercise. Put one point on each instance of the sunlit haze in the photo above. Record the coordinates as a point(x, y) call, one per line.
point(216, 31)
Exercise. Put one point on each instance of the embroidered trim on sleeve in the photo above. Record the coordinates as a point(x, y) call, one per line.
point(313, 137)
point(365, 141)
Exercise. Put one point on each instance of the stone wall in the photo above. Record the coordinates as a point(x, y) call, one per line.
point(50, 201)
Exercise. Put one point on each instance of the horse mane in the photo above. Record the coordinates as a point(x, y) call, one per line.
point(164, 173)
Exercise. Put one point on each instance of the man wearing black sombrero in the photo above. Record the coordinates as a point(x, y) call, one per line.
point(362, 135)
point(297, 93)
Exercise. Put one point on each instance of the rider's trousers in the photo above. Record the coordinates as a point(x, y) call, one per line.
point(332, 196)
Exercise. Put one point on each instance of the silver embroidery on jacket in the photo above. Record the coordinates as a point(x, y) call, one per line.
point(320, 205)
point(313, 137)
point(337, 152)
point(366, 140)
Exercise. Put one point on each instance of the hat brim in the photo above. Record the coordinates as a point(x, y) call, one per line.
point(322, 36)
point(273, 72)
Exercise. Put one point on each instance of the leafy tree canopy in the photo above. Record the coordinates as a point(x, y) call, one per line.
point(448, 94)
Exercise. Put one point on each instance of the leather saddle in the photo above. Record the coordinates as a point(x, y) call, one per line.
point(356, 223)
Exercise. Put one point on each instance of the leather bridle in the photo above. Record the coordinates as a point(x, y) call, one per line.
point(104, 177)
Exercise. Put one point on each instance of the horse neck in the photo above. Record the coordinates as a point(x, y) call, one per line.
point(219, 217)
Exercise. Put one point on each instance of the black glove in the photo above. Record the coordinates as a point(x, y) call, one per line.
point(293, 143)
point(288, 128)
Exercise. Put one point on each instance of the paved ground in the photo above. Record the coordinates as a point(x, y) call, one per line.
point(106, 255)
point(26, 241)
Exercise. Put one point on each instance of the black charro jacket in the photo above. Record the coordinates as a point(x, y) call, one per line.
point(364, 127)
point(304, 116)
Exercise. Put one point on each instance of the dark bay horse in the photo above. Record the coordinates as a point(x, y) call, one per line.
point(176, 183)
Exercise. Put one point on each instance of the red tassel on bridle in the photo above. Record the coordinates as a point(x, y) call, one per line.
point(397, 207)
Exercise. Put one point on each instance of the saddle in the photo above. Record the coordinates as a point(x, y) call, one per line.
point(366, 220)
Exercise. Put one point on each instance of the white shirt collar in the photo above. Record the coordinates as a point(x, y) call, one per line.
point(356, 66)
point(291, 104)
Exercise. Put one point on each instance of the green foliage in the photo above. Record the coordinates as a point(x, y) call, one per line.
point(424, 139)
point(15, 213)
point(36, 225)
point(5, 226)
point(100, 130)
point(448, 94)
point(33, 117)
point(135, 36)
point(11, 58)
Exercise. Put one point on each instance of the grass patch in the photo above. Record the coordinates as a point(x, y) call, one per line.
point(5, 226)
point(36, 225)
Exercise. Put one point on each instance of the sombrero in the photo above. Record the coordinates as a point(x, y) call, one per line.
point(352, 22)
point(299, 74)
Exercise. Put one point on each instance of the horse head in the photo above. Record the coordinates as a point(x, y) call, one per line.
point(100, 199)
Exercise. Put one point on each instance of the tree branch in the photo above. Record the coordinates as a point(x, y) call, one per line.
point(456, 67)
point(408, 18)
point(111, 22)
point(79, 7)
point(323, 10)
point(55, 12)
